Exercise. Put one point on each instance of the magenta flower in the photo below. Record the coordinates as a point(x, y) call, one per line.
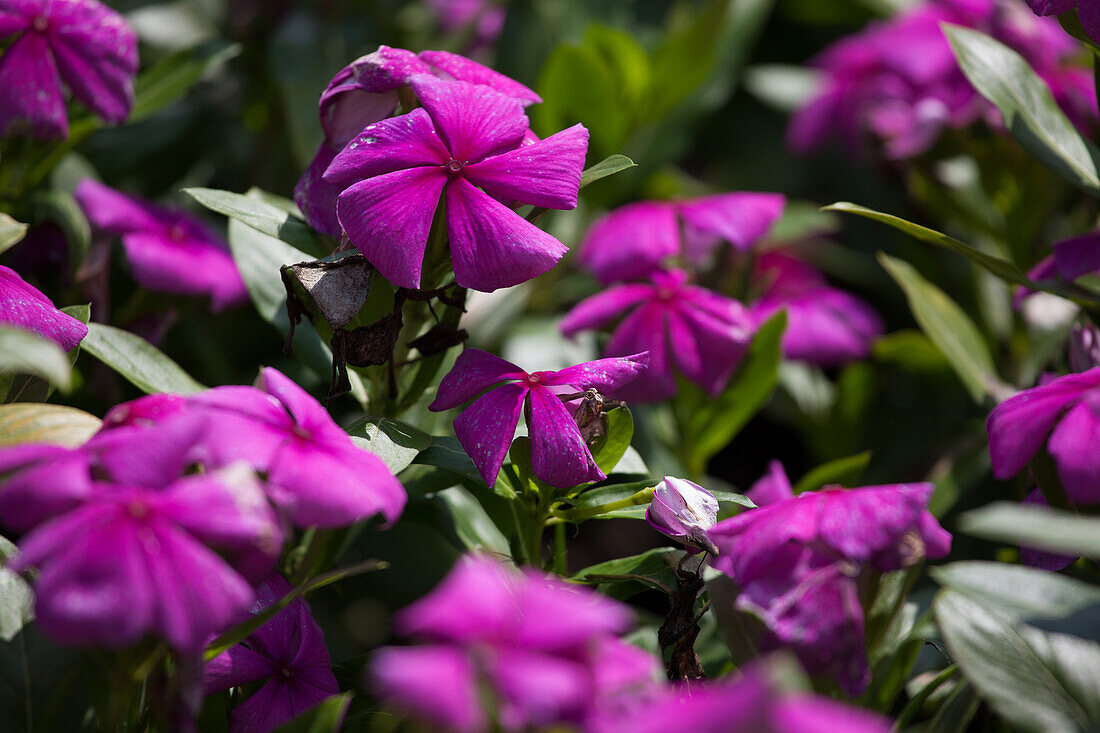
point(168, 251)
point(632, 241)
point(1087, 10)
point(546, 651)
point(83, 42)
point(897, 83)
point(465, 138)
point(748, 705)
point(23, 306)
point(131, 561)
point(703, 333)
point(367, 91)
point(825, 326)
point(684, 511)
point(1063, 414)
point(797, 561)
point(559, 453)
point(287, 654)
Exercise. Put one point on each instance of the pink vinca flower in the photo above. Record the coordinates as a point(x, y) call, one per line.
point(702, 333)
point(632, 241)
point(559, 454)
point(368, 90)
point(286, 656)
point(23, 306)
point(544, 650)
point(797, 563)
point(465, 144)
point(825, 325)
point(83, 42)
point(168, 251)
point(1063, 415)
point(131, 561)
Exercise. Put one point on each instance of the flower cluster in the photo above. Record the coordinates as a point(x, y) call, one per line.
point(83, 42)
point(796, 561)
point(129, 540)
point(897, 83)
point(545, 651)
point(560, 456)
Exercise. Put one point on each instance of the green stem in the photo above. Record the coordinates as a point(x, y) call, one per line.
point(534, 538)
point(914, 705)
point(578, 515)
point(558, 562)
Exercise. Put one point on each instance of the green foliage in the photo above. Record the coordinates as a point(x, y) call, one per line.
point(257, 210)
point(1035, 526)
point(138, 361)
point(327, 717)
point(43, 423)
point(11, 232)
point(24, 352)
point(396, 443)
point(841, 472)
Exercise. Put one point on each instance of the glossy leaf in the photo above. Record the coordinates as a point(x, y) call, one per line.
point(33, 422)
point(651, 564)
point(948, 326)
point(396, 443)
point(609, 166)
point(141, 363)
point(474, 528)
point(1030, 113)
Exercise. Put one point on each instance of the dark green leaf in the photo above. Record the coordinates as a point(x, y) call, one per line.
point(12, 231)
point(1029, 110)
point(43, 687)
point(609, 448)
point(1036, 681)
point(34, 422)
point(609, 166)
point(264, 217)
point(328, 717)
point(578, 85)
point(475, 529)
point(396, 443)
point(141, 363)
point(948, 326)
point(1035, 526)
point(25, 352)
point(843, 472)
point(447, 453)
point(652, 564)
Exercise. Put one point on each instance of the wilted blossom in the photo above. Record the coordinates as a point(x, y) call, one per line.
point(545, 651)
point(1087, 10)
point(702, 333)
point(169, 251)
point(368, 90)
point(129, 561)
point(23, 306)
point(484, 17)
point(825, 326)
point(797, 561)
point(748, 705)
point(632, 241)
point(1063, 415)
point(897, 83)
point(83, 42)
point(467, 144)
point(287, 655)
point(684, 511)
point(559, 454)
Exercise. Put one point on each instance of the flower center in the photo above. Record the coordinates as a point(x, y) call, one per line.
point(41, 23)
point(286, 672)
point(533, 379)
point(176, 233)
point(138, 509)
point(454, 166)
point(665, 293)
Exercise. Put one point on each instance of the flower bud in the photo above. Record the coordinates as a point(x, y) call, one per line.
point(684, 511)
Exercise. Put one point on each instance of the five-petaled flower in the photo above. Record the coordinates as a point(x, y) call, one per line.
point(559, 454)
point(287, 654)
point(83, 42)
point(466, 144)
point(703, 333)
point(168, 251)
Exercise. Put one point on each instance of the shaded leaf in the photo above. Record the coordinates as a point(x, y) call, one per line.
point(475, 529)
point(842, 472)
point(1016, 592)
point(16, 599)
point(652, 564)
point(141, 363)
point(396, 443)
point(1034, 526)
point(25, 352)
point(609, 448)
point(173, 76)
point(11, 231)
point(327, 717)
point(264, 217)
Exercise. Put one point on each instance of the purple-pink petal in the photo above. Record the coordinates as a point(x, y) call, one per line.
point(23, 306)
point(474, 372)
point(605, 375)
point(1077, 256)
point(546, 173)
point(738, 218)
point(604, 307)
point(436, 683)
point(773, 486)
point(31, 101)
point(486, 428)
point(559, 454)
point(472, 120)
point(447, 64)
point(316, 198)
point(390, 145)
point(485, 591)
point(631, 241)
point(1072, 444)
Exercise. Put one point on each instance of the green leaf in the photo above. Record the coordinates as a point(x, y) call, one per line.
point(264, 217)
point(713, 423)
point(172, 76)
point(948, 326)
point(43, 687)
point(396, 443)
point(843, 472)
point(16, 599)
point(957, 711)
point(25, 352)
point(684, 60)
point(651, 564)
point(12, 231)
point(1034, 526)
point(328, 717)
point(911, 350)
point(609, 448)
point(141, 363)
point(578, 85)
point(475, 529)
point(1032, 116)
point(1016, 592)
point(609, 166)
point(1037, 681)
point(1000, 267)
point(447, 453)
point(34, 422)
